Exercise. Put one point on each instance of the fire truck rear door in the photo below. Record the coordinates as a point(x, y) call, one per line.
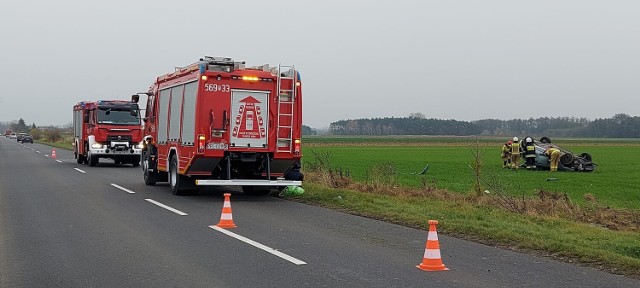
point(249, 118)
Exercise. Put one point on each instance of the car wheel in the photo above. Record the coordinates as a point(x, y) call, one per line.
point(567, 159)
point(586, 156)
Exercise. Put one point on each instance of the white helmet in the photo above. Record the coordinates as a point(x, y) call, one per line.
point(528, 140)
point(515, 139)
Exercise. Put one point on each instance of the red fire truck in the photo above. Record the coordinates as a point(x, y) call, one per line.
point(107, 129)
point(217, 122)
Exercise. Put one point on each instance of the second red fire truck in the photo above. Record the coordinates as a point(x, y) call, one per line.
point(107, 129)
point(216, 122)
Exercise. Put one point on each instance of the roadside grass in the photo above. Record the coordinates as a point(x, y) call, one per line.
point(64, 143)
point(613, 251)
point(568, 218)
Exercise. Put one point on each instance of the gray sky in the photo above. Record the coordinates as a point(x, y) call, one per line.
point(464, 60)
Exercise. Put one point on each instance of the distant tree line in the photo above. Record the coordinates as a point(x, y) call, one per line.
point(306, 130)
point(619, 126)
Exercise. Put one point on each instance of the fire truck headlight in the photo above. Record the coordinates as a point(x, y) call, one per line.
point(140, 145)
point(96, 146)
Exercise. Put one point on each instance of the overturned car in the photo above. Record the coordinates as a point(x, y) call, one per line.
point(569, 161)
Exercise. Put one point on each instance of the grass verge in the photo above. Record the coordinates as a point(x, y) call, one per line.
point(613, 251)
point(59, 144)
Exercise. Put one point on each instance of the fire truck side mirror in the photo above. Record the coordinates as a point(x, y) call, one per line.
point(135, 98)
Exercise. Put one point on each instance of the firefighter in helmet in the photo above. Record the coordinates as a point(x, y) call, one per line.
point(506, 154)
point(554, 157)
point(529, 153)
point(515, 153)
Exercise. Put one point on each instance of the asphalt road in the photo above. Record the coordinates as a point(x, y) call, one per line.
point(69, 225)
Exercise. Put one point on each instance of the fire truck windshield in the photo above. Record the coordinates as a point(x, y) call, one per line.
point(117, 116)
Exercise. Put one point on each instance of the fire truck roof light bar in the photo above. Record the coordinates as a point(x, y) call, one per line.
point(247, 182)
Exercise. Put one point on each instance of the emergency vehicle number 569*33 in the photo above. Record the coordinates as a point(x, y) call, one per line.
point(217, 122)
point(216, 88)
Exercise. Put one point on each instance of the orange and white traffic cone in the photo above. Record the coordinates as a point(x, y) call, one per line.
point(226, 219)
point(431, 261)
point(53, 153)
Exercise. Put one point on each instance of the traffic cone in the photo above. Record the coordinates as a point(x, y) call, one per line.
point(431, 260)
point(226, 219)
point(53, 153)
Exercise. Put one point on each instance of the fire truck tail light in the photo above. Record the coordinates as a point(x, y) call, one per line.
point(296, 146)
point(298, 84)
point(250, 78)
point(201, 143)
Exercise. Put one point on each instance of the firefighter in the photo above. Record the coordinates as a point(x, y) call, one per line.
point(506, 154)
point(529, 153)
point(515, 153)
point(554, 157)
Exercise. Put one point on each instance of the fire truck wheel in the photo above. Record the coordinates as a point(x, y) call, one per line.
point(150, 178)
point(176, 181)
point(93, 161)
point(79, 158)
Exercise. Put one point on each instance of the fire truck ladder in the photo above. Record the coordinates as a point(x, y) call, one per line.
point(286, 100)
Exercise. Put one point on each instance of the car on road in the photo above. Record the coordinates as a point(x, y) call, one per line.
point(569, 161)
point(25, 138)
point(13, 136)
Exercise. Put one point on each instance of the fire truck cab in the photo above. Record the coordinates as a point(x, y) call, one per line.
point(216, 122)
point(107, 129)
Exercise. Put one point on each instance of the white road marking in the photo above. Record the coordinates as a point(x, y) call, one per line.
point(123, 189)
point(38, 151)
point(46, 155)
point(79, 170)
point(259, 246)
point(58, 161)
point(166, 207)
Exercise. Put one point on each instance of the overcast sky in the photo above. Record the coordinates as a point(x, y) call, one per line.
point(464, 60)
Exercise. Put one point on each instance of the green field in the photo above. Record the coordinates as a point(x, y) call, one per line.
point(615, 182)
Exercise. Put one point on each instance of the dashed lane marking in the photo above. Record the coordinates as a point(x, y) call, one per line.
point(58, 161)
point(123, 189)
point(259, 246)
point(79, 170)
point(167, 207)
